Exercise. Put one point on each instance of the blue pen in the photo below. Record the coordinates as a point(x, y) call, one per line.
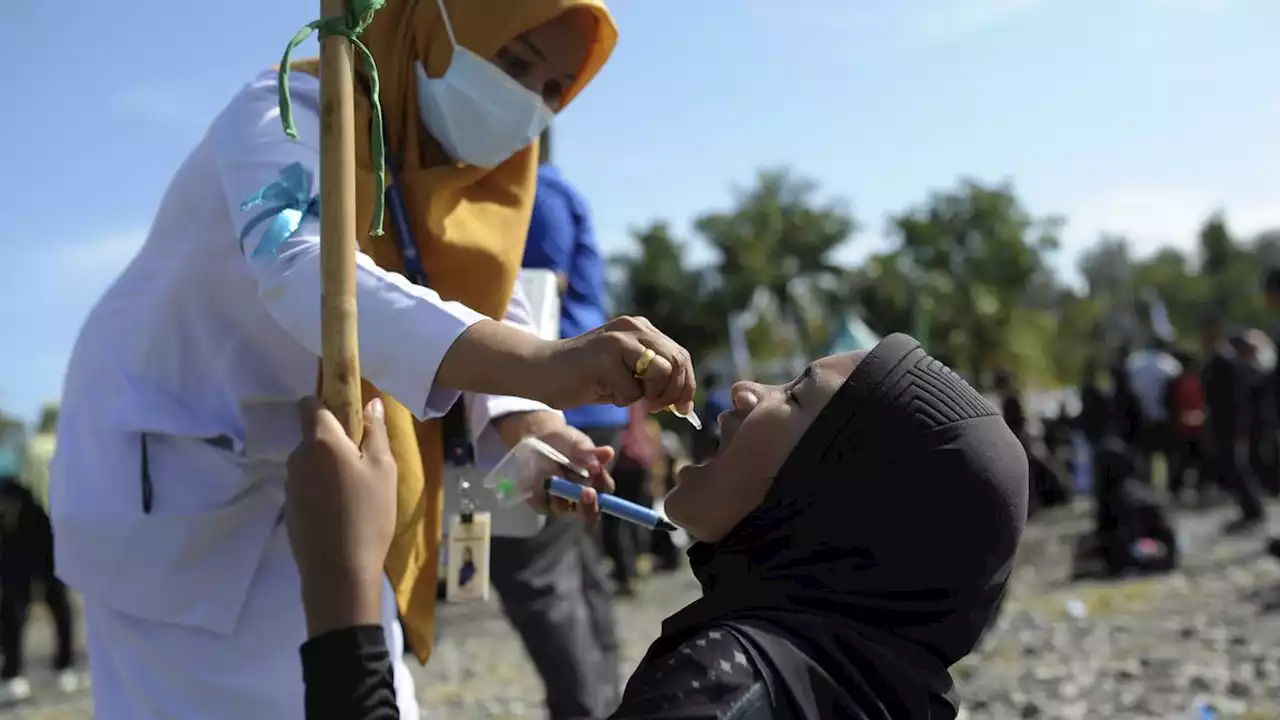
point(610, 504)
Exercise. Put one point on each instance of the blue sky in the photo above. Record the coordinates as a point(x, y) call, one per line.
point(1138, 116)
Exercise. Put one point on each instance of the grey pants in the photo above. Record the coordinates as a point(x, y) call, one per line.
point(555, 594)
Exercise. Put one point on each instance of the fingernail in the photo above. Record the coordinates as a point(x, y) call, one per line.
point(376, 409)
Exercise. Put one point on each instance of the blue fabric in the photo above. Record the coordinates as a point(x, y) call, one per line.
point(716, 402)
point(561, 239)
point(290, 200)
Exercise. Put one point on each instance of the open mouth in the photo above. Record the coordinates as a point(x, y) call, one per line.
point(728, 422)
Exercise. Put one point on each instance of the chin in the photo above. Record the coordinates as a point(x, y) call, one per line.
point(692, 471)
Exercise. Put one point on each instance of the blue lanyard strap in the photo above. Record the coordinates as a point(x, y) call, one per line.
point(458, 450)
point(405, 240)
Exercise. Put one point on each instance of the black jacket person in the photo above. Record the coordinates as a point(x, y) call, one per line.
point(865, 527)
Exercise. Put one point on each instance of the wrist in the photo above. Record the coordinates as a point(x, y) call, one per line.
point(341, 601)
point(494, 358)
point(514, 427)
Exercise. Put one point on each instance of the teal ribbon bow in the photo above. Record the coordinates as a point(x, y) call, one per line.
point(349, 25)
point(290, 200)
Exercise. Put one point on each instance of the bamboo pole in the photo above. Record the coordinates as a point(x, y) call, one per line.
point(340, 363)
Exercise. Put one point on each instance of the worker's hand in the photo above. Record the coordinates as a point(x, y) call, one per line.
point(601, 366)
point(341, 509)
point(574, 444)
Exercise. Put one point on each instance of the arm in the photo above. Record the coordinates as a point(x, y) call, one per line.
point(405, 330)
point(340, 513)
point(413, 345)
point(348, 675)
point(492, 417)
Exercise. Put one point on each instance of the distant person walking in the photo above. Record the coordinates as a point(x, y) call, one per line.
point(1271, 293)
point(1095, 408)
point(26, 561)
point(632, 471)
point(1227, 423)
point(552, 585)
point(1150, 372)
point(1185, 406)
point(1126, 409)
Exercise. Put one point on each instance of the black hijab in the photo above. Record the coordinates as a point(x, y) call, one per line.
point(881, 551)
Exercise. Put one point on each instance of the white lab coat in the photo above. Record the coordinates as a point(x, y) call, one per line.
point(194, 610)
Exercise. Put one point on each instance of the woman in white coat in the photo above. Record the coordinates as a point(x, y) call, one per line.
point(167, 489)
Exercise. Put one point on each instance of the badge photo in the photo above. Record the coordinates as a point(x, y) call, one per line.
point(467, 573)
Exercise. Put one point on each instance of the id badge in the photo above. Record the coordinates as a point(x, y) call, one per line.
point(467, 572)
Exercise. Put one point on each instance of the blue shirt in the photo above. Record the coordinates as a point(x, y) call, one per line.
point(716, 402)
point(561, 239)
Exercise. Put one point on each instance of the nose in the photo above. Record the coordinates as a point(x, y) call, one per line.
point(746, 395)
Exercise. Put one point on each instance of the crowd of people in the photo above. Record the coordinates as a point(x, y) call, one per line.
point(26, 564)
point(1209, 414)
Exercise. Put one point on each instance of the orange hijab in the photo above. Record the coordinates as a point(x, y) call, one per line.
point(470, 225)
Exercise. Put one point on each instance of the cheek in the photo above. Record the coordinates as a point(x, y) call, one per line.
point(758, 449)
point(713, 501)
point(714, 498)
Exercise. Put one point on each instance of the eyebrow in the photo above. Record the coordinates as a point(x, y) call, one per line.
point(529, 44)
point(532, 47)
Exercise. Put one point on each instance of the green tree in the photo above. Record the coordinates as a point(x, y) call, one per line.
point(1216, 245)
point(778, 236)
point(1232, 273)
point(657, 283)
point(976, 252)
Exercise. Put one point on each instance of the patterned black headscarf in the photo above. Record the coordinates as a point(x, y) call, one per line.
point(880, 552)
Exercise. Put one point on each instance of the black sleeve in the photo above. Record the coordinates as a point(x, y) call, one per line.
point(710, 677)
point(348, 676)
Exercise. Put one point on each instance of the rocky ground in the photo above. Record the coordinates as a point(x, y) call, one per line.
point(1134, 649)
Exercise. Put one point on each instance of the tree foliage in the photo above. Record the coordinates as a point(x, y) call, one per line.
point(971, 268)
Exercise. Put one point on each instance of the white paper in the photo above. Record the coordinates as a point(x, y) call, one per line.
point(542, 291)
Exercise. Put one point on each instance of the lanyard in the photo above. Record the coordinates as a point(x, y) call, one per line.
point(458, 450)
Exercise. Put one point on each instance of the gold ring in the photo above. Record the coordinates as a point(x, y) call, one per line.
point(642, 365)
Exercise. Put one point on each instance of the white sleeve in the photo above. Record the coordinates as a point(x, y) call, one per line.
point(405, 330)
point(483, 409)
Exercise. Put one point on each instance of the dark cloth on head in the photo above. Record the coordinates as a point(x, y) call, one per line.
point(881, 551)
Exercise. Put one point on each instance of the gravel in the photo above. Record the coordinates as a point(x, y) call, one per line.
point(1137, 648)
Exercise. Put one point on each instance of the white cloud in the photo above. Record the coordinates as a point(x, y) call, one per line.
point(99, 259)
point(69, 276)
point(953, 19)
point(1152, 217)
point(53, 288)
point(155, 105)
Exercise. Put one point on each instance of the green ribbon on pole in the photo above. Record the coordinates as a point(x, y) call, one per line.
point(349, 25)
